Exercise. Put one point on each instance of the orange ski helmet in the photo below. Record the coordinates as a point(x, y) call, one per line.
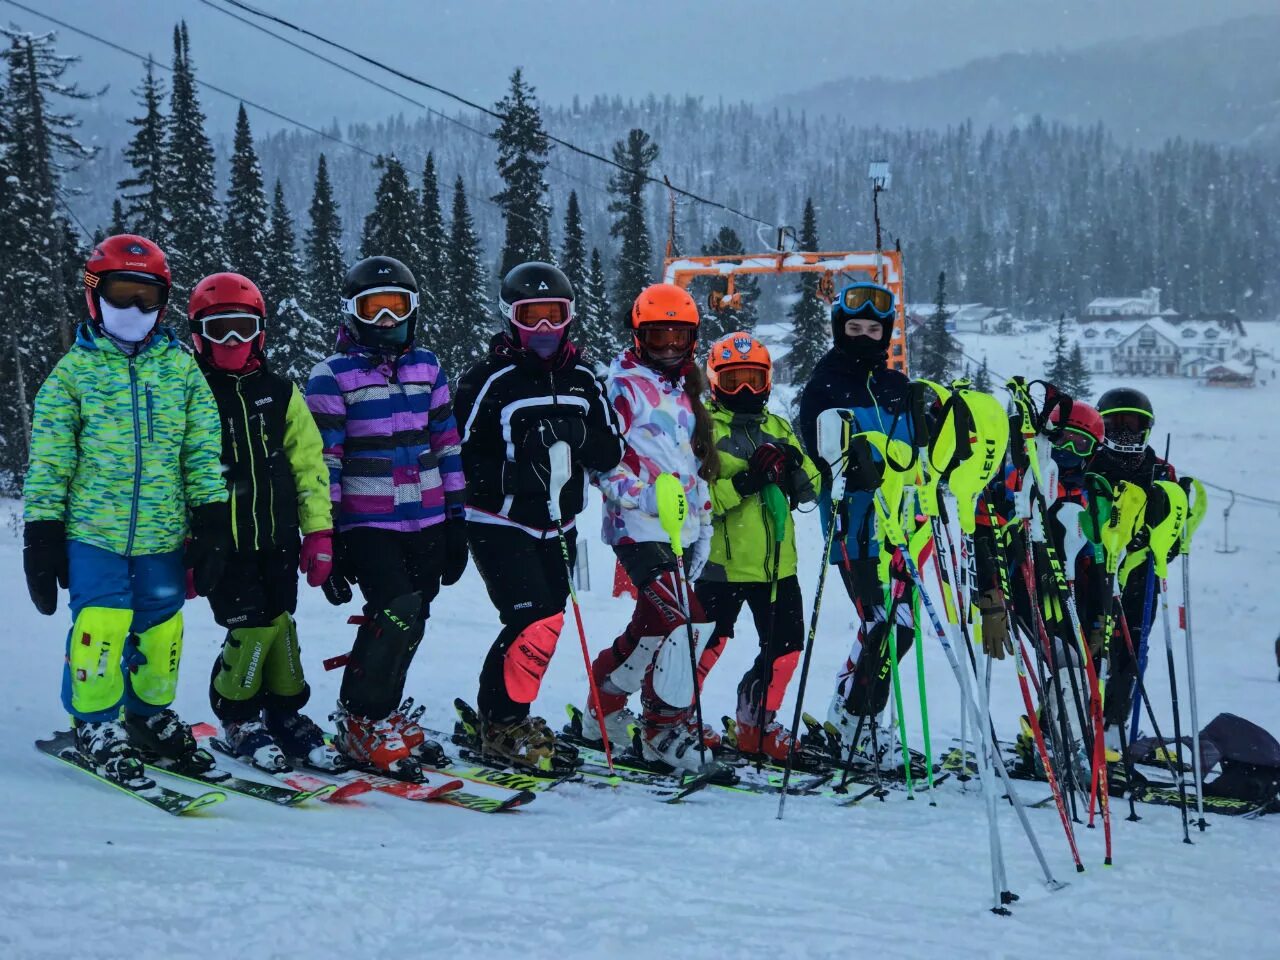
point(737, 363)
point(664, 315)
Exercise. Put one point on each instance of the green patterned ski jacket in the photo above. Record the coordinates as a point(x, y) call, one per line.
point(122, 446)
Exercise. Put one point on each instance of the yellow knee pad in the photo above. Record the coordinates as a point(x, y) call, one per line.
point(93, 655)
point(284, 660)
point(155, 679)
point(243, 661)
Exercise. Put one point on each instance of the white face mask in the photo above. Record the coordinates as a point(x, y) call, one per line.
point(128, 325)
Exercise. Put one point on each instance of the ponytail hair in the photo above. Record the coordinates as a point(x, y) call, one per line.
point(704, 447)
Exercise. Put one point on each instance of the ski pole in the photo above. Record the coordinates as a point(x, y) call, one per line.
point(560, 472)
point(672, 509)
point(1197, 504)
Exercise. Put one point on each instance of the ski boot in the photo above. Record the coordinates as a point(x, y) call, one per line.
point(105, 745)
point(253, 742)
point(617, 724)
point(526, 744)
point(711, 738)
point(374, 744)
point(772, 742)
point(672, 740)
point(299, 736)
point(405, 719)
point(165, 736)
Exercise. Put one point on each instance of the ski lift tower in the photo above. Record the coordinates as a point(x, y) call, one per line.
point(835, 268)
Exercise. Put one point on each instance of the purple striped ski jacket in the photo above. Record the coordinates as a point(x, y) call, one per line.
point(390, 440)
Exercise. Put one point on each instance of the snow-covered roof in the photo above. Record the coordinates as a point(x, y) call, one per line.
point(1184, 333)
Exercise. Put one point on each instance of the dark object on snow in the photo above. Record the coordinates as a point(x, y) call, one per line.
point(1278, 654)
point(1249, 758)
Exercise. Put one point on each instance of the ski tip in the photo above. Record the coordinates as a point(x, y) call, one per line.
point(212, 798)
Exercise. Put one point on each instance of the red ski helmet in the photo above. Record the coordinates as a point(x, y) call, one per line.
point(227, 316)
point(136, 263)
point(1081, 432)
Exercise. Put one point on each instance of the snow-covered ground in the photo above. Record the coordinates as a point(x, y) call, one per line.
point(85, 872)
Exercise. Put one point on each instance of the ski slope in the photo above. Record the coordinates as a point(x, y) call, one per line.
point(88, 873)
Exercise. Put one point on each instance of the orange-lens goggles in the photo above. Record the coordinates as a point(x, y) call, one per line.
point(755, 379)
point(122, 292)
point(532, 314)
point(667, 338)
point(880, 299)
point(396, 302)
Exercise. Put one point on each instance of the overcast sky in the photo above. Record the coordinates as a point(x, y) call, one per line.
point(735, 49)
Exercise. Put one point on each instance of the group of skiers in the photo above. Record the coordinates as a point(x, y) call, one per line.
point(158, 473)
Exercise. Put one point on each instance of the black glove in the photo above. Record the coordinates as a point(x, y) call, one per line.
point(543, 433)
point(794, 458)
point(44, 561)
point(206, 553)
point(767, 465)
point(337, 588)
point(455, 551)
point(862, 471)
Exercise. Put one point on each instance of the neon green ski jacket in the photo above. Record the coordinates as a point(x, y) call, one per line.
point(122, 446)
point(742, 541)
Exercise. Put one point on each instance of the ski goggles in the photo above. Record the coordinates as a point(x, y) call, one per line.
point(532, 315)
point(667, 337)
point(1076, 441)
point(226, 327)
point(736, 379)
point(370, 306)
point(861, 297)
point(123, 290)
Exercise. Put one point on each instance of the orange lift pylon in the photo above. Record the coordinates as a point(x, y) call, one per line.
point(837, 269)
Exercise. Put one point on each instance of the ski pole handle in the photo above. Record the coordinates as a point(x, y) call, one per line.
point(560, 470)
point(672, 508)
point(775, 504)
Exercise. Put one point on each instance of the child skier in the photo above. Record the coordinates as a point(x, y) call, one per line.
point(279, 486)
point(855, 375)
point(748, 563)
point(124, 466)
point(395, 479)
point(655, 388)
point(532, 391)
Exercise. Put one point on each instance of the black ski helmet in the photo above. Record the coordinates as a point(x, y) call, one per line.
point(1127, 418)
point(377, 273)
point(535, 280)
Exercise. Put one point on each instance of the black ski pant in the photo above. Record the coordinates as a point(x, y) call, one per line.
point(866, 679)
point(780, 628)
point(257, 587)
point(528, 582)
point(399, 575)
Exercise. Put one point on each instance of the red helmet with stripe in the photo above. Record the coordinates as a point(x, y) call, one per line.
point(129, 255)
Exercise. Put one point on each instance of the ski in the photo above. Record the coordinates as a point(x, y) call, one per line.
point(210, 775)
point(1166, 795)
point(302, 782)
point(61, 746)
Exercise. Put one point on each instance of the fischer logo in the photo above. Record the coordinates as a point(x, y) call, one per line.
point(542, 285)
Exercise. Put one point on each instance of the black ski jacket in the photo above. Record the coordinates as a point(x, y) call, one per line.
point(496, 403)
point(271, 454)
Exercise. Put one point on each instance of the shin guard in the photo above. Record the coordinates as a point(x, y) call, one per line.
point(284, 684)
point(380, 658)
point(94, 651)
point(528, 657)
point(153, 674)
point(237, 673)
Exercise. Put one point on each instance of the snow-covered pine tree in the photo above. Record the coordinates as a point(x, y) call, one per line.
point(464, 335)
point(432, 283)
point(393, 227)
point(1058, 370)
point(43, 261)
point(245, 234)
point(931, 354)
point(636, 155)
point(293, 342)
point(195, 224)
point(718, 323)
point(982, 379)
point(1078, 373)
point(322, 260)
point(522, 152)
point(145, 213)
point(573, 250)
point(119, 221)
point(598, 334)
point(810, 317)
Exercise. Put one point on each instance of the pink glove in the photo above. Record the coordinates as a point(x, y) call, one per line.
point(316, 560)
